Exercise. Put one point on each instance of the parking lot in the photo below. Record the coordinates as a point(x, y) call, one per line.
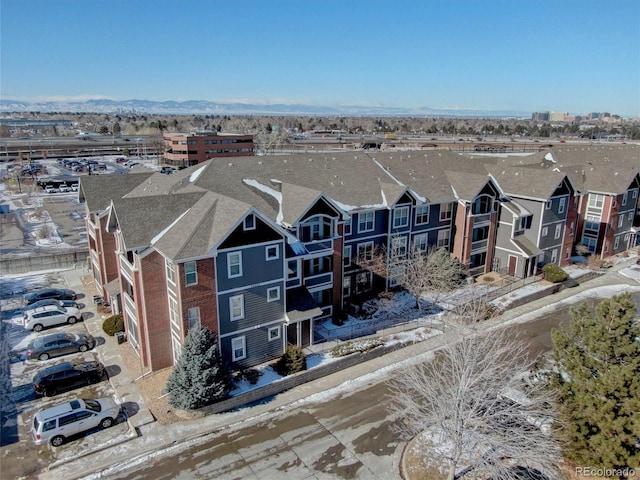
point(20, 457)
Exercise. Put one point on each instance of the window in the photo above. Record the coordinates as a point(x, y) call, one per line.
point(177, 349)
point(561, 205)
point(554, 255)
point(624, 198)
point(292, 269)
point(443, 239)
point(274, 333)
point(590, 242)
point(365, 252)
point(173, 311)
point(400, 217)
point(273, 252)
point(482, 205)
point(422, 214)
point(558, 232)
point(572, 227)
point(630, 216)
point(545, 231)
point(420, 243)
point(190, 273)
point(238, 348)
point(567, 254)
point(634, 194)
point(273, 294)
point(347, 256)
point(347, 226)
point(171, 274)
point(592, 223)
point(250, 222)
point(396, 275)
point(363, 282)
point(346, 287)
point(548, 205)
point(620, 220)
point(234, 264)
point(398, 246)
point(445, 211)
point(596, 200)
point(365, 222)
point(236, 307)
point(616, 243)
point(194, 317)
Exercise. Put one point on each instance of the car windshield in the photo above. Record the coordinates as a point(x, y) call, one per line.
point(92, 405)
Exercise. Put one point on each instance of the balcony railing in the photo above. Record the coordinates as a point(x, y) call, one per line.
point(126, 268)
point(130, 305)
point(484, 218)
point(318, 246)
point(479, 245)
point(319, 279)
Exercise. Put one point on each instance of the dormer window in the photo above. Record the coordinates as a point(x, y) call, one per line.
point(250, 222)
point(482, 205)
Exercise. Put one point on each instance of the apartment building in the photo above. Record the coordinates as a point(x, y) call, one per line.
point(187, 149)
point(262, 249)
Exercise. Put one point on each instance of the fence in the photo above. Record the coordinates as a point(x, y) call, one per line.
point(33, 263)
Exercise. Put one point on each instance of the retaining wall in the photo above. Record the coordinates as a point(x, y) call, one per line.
point(34, 263)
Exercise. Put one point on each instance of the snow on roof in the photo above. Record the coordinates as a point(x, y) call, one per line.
point(194, 176)
point(160, 235)
point(388, 173)
point(549, 157)
point(269, 191)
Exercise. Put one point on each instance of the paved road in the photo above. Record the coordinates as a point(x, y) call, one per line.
point(343, 437)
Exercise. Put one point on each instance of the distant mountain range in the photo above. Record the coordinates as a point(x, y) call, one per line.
point(203, 107)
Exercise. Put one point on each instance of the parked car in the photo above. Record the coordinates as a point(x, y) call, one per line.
point(57, 344)
point(167, 170)
point(50, 189)
point(44, 293)
point(65, 188)
point(66, 376)
point(37, 318)
point(57, 424)
point(52, 301)
point(74, 187)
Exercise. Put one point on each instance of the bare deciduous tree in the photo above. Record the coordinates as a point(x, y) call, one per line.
point(476, 411)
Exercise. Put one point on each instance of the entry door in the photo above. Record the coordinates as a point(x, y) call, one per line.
point(513, 263)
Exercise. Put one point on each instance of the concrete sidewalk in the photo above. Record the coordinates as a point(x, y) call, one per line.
point(152, 437)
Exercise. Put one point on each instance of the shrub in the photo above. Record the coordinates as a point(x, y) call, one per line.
point(347, 348)
point(113, 325)
point(251, 375)
point(294, 360)
point(553, 273)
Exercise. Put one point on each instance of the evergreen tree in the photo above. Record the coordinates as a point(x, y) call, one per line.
point(199, 378)
point(598, 357)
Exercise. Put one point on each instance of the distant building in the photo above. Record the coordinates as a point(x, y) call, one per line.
point(540, 116)
point(558, 116)
point(186, 149)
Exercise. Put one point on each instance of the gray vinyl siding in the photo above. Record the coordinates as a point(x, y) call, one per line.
point(255, 267)
point(257, 310)
point(258, 348)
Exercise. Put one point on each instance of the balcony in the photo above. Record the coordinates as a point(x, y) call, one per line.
point(484, 218)
point(479, 245)
point(318, 279)
point(127, 269)
point(130, 305)
point(319, 246)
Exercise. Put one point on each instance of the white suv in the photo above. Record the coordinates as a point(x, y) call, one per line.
point(37, 318)
point(56, 424)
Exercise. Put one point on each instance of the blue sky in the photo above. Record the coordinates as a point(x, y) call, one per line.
point(521, 55)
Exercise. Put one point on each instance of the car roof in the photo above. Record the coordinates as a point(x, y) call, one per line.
point(54, 336)
point(55, 369)
point(63, 408)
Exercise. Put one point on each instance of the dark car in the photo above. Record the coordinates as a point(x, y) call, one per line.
point(52, 301)
point(58, 344)
point(46, 293)
point(67, 376)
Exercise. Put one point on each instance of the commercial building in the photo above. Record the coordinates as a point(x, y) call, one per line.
point(187, 149)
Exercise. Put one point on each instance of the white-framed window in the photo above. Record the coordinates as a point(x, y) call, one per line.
point(366, 222)
point(365, 252)
point(194, 317)
point(634, 194)
point(420, 243)
point(173, 311)
point(250, 222)
point(595, 200)
point(396, 274)
point(548, 205)
point(422, 214)
point(238, 348)
point(398, 246)
point(273, 294)
point(554, 255)
point(624, 198)
point(545, 231)
point(236, 307)
point(190, 273)
point(616, 242)
point(171, 272)
point(443, 238)
point(347, 256)
point(620, 220)
point(347, 226)
point(558, 232)
point(273, 333)
point(292, 269)
point(346, 287)
point(400, 217)
point(446, 210)
point(177, 349)
point(272, 252)
point(234, 264)
point(630, 216)
point(561, 205)
point(592, 223)
point(363, 282)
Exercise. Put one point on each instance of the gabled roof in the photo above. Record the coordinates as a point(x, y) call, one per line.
point(533, 183)
point(98, 190)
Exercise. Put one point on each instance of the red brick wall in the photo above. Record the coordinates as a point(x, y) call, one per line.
point(202, 295)
point(153, 310)
point(569, 238)
point(461, 241)
point(109, 257)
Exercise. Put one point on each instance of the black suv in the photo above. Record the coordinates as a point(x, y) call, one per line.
point(45, 293)
point(66, 376)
